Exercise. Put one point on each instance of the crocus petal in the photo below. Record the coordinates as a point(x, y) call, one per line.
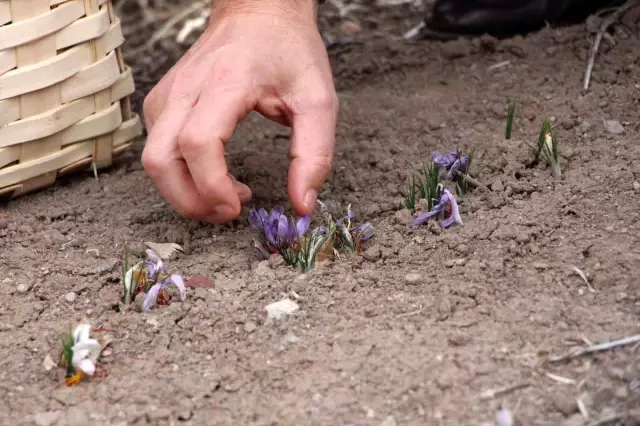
point(177, 280)
point(152, 296)
point(423, 218)
point(255, 220)
point(81, 333)
point(302, 225)
point(365, 230)
point(284, 236)
point(87, 367)
point(455, 212)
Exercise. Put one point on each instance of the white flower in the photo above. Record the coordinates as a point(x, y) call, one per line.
point(128, 278)
point(85, 350)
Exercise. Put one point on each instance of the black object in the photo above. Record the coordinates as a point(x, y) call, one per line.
point(503, 18)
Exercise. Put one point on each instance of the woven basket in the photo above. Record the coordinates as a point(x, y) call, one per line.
point(64, 91)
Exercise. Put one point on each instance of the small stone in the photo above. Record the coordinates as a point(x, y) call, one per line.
point(575, 420)
point(456, 49)
point(372, 254)
point(389, 421)
point(279, 309)
point(350, 28)
point(158, 414)
point(584, 127)
point(614, 127)
point(93, 252)
point(568, 123)
point(541, 266)
point(496, 201)
point(403, 216)
point(153, 322)
point(70, 297)
point(276, 261)
point(413, 279)
point(46, 418)
point(250, 326)
point(497, 186)
point(622, 393)
point(621, 297)
point(565, 403)
point(48, 363)
point(23, 288)
point(636, 186)
point(7, 281)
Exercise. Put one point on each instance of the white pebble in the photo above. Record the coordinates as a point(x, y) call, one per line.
point(70, 297)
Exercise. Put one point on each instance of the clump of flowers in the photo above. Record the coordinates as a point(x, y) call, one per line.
point(298, 247)
point(150, 277)
point(454, 167)
point(446, 207)
point(79, 354)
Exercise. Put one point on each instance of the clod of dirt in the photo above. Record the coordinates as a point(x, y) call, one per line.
point(497, 186)
point(46, 418)
point(456, 49)
point(279, 309)
point(403, 216)
point(250, 326)
point(636, 186)
point(575, 420)
point(565, 403)
point(372, 254)
point(413, 279)
point(614, 127)
point(22, 288)
point(70, 297)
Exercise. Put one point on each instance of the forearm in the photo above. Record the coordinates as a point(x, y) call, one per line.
point(306, 8)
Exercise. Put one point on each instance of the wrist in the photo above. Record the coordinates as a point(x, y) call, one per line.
point(286, 8)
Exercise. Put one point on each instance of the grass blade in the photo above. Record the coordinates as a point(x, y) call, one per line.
point(510, 116)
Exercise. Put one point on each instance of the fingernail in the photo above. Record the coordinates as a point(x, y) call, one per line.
point(310, 199)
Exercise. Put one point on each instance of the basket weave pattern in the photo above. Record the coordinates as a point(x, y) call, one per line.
point(64, 90)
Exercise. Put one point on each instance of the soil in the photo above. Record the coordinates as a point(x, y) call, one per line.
point(373, 343)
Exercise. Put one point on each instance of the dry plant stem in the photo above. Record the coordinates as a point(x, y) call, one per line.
point(555, 171)
point(596, 348)
point(492, 393)
point(471, 181)
point(606, 23)
point(180, 16)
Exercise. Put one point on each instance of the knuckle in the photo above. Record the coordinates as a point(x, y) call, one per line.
point(191, 143)
point(152, 163)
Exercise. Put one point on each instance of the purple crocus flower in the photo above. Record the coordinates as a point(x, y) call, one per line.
point(277, 231)
point(153, 265)
point(152, 296)
point(450, 163)
point(364, 231)
point(447, 205)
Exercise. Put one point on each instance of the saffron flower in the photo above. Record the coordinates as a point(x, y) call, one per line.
point(447, 206)
point(152, 295)
point(451, 163)
point(278, 234)
point(80, 354)
point(350, 236)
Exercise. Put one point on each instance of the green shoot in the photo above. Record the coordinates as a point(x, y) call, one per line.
point(67, 353)
point(547, 149)
point(410, 195)
point(462, 185)
point(311, 245)
point(427, 186)
point(510, 116)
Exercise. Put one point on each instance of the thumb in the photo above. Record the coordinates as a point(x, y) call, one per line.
point(312, 148)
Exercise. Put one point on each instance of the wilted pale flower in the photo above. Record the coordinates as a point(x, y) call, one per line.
point(85, 350)
point(450, 164)
point(364, 232)
point(153, 265)
point(448, 206)
point(153, 293)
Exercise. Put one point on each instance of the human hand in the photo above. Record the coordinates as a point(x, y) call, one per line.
point(262, 55)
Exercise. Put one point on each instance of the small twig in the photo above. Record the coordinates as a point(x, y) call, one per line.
point(606, 23)
point(582, 408)
point(180, 16)
point(596, 348)
point(471, 181)
point(584, 278)
point(560, 379)
point(492, 393)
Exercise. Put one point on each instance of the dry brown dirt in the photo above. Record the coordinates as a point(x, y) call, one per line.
point(368, 346)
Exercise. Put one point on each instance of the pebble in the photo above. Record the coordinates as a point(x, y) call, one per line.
point(636, 186)
point(403, 216)
point(497, 186)
point(46, 418)
point(279, 309)
point(389, 421)
point(456, 49)
point(250, 326)
point(541, 266)
point(622, 393)
point(565, 403)
point(23, 288)
point(413, 279)
point(614, 127)
point(7, 281)
point(158, 414)
point(70, 297)
point(372, 254)
point(93, 252)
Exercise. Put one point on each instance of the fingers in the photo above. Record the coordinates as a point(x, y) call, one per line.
point(201, 143)
point(312, 148)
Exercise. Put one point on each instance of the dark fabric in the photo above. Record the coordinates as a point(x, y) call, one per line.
point(508, 17)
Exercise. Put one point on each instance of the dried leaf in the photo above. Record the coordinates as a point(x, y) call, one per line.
point(164, 250)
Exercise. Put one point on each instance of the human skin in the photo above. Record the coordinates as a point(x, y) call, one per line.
point(256, 55)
